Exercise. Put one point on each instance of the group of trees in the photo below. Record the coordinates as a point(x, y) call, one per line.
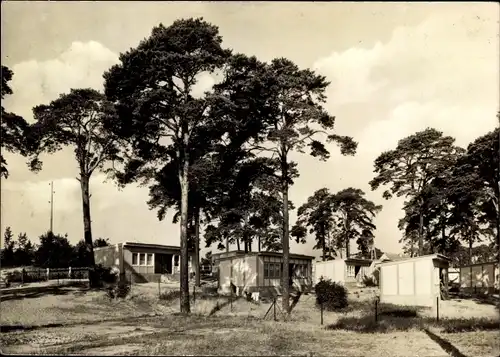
point(336, 220)
point(52, 251)
point(451, 193)
point(13, 127)
point(221, 159)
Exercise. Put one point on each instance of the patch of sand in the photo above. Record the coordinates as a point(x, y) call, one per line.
point(111, 350)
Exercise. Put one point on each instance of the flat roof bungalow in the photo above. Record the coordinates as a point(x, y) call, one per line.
point(141, 262)
point(261, 271)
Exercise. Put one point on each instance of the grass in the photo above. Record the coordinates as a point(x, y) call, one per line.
point(220, 326)
point(476, 343)
point(199, 335)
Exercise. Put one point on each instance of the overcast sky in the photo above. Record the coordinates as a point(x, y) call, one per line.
point(394, 68)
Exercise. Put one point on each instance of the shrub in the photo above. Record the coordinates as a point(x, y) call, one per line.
point(331, 295)
point(119, 291)
point(29, 277)
point(369, 281)
point(103, 275)
point(170, 295)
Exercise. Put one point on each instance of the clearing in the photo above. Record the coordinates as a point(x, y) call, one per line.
point(72, 320)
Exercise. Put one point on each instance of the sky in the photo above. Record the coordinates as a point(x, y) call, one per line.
point(394, 68)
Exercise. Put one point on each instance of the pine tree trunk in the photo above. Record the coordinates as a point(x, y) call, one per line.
point(347, 228)
point(347, 249)
point(347, 245)
point(323, 246)
point(443, 237)
point(197, 247)
point(87, 225)
point(285, 239)
point(421, 234)
point(184, 267)
point(329, 244)
point(258, 244)
point(245, 232)
point(470, 250)
point(498, 197)
point(238, 244)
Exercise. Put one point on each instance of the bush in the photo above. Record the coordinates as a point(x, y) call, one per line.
point(103, 275)
point(119, 291)
point(170, 295)
point(369, 281)
point(331, 295)
point(29, 277)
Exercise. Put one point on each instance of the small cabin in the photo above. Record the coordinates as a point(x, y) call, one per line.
point(261, 271)
point(415, 281)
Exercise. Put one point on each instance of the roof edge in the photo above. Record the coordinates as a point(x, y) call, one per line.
point(428, 256)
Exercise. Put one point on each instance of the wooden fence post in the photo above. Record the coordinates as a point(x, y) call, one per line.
point(437, 308)
point(274, 308)
point(48, 274)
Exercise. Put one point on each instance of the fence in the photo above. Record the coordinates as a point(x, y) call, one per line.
point(32, 275)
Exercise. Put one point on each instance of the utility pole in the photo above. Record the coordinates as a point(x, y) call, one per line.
point(51, 206)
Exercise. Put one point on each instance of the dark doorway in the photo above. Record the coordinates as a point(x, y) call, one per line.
point(163, 263)
point(357, 268)
point(291, 274)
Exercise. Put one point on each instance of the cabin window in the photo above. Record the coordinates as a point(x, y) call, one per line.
point(351, 271)
point(142, 259)
point(302, 271)
point(272, 270)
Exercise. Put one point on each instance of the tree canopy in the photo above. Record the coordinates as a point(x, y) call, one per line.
point(412, 166)
point(164, 122)
point(78, 120)
point(295, 120)
point(13, 127)
point(317, 214)
point(337, 219)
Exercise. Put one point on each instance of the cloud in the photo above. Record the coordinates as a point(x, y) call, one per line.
point(39, 82)
point(120, 215)
point(442, 73)
point(448, 56)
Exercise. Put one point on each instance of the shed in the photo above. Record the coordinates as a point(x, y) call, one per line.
point(414, 281)
point(261, 271)
point(141, 262)
point(334, 270)
point(342, 270)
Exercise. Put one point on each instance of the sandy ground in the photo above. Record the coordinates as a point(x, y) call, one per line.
point(141, 324)
point(234, 336)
